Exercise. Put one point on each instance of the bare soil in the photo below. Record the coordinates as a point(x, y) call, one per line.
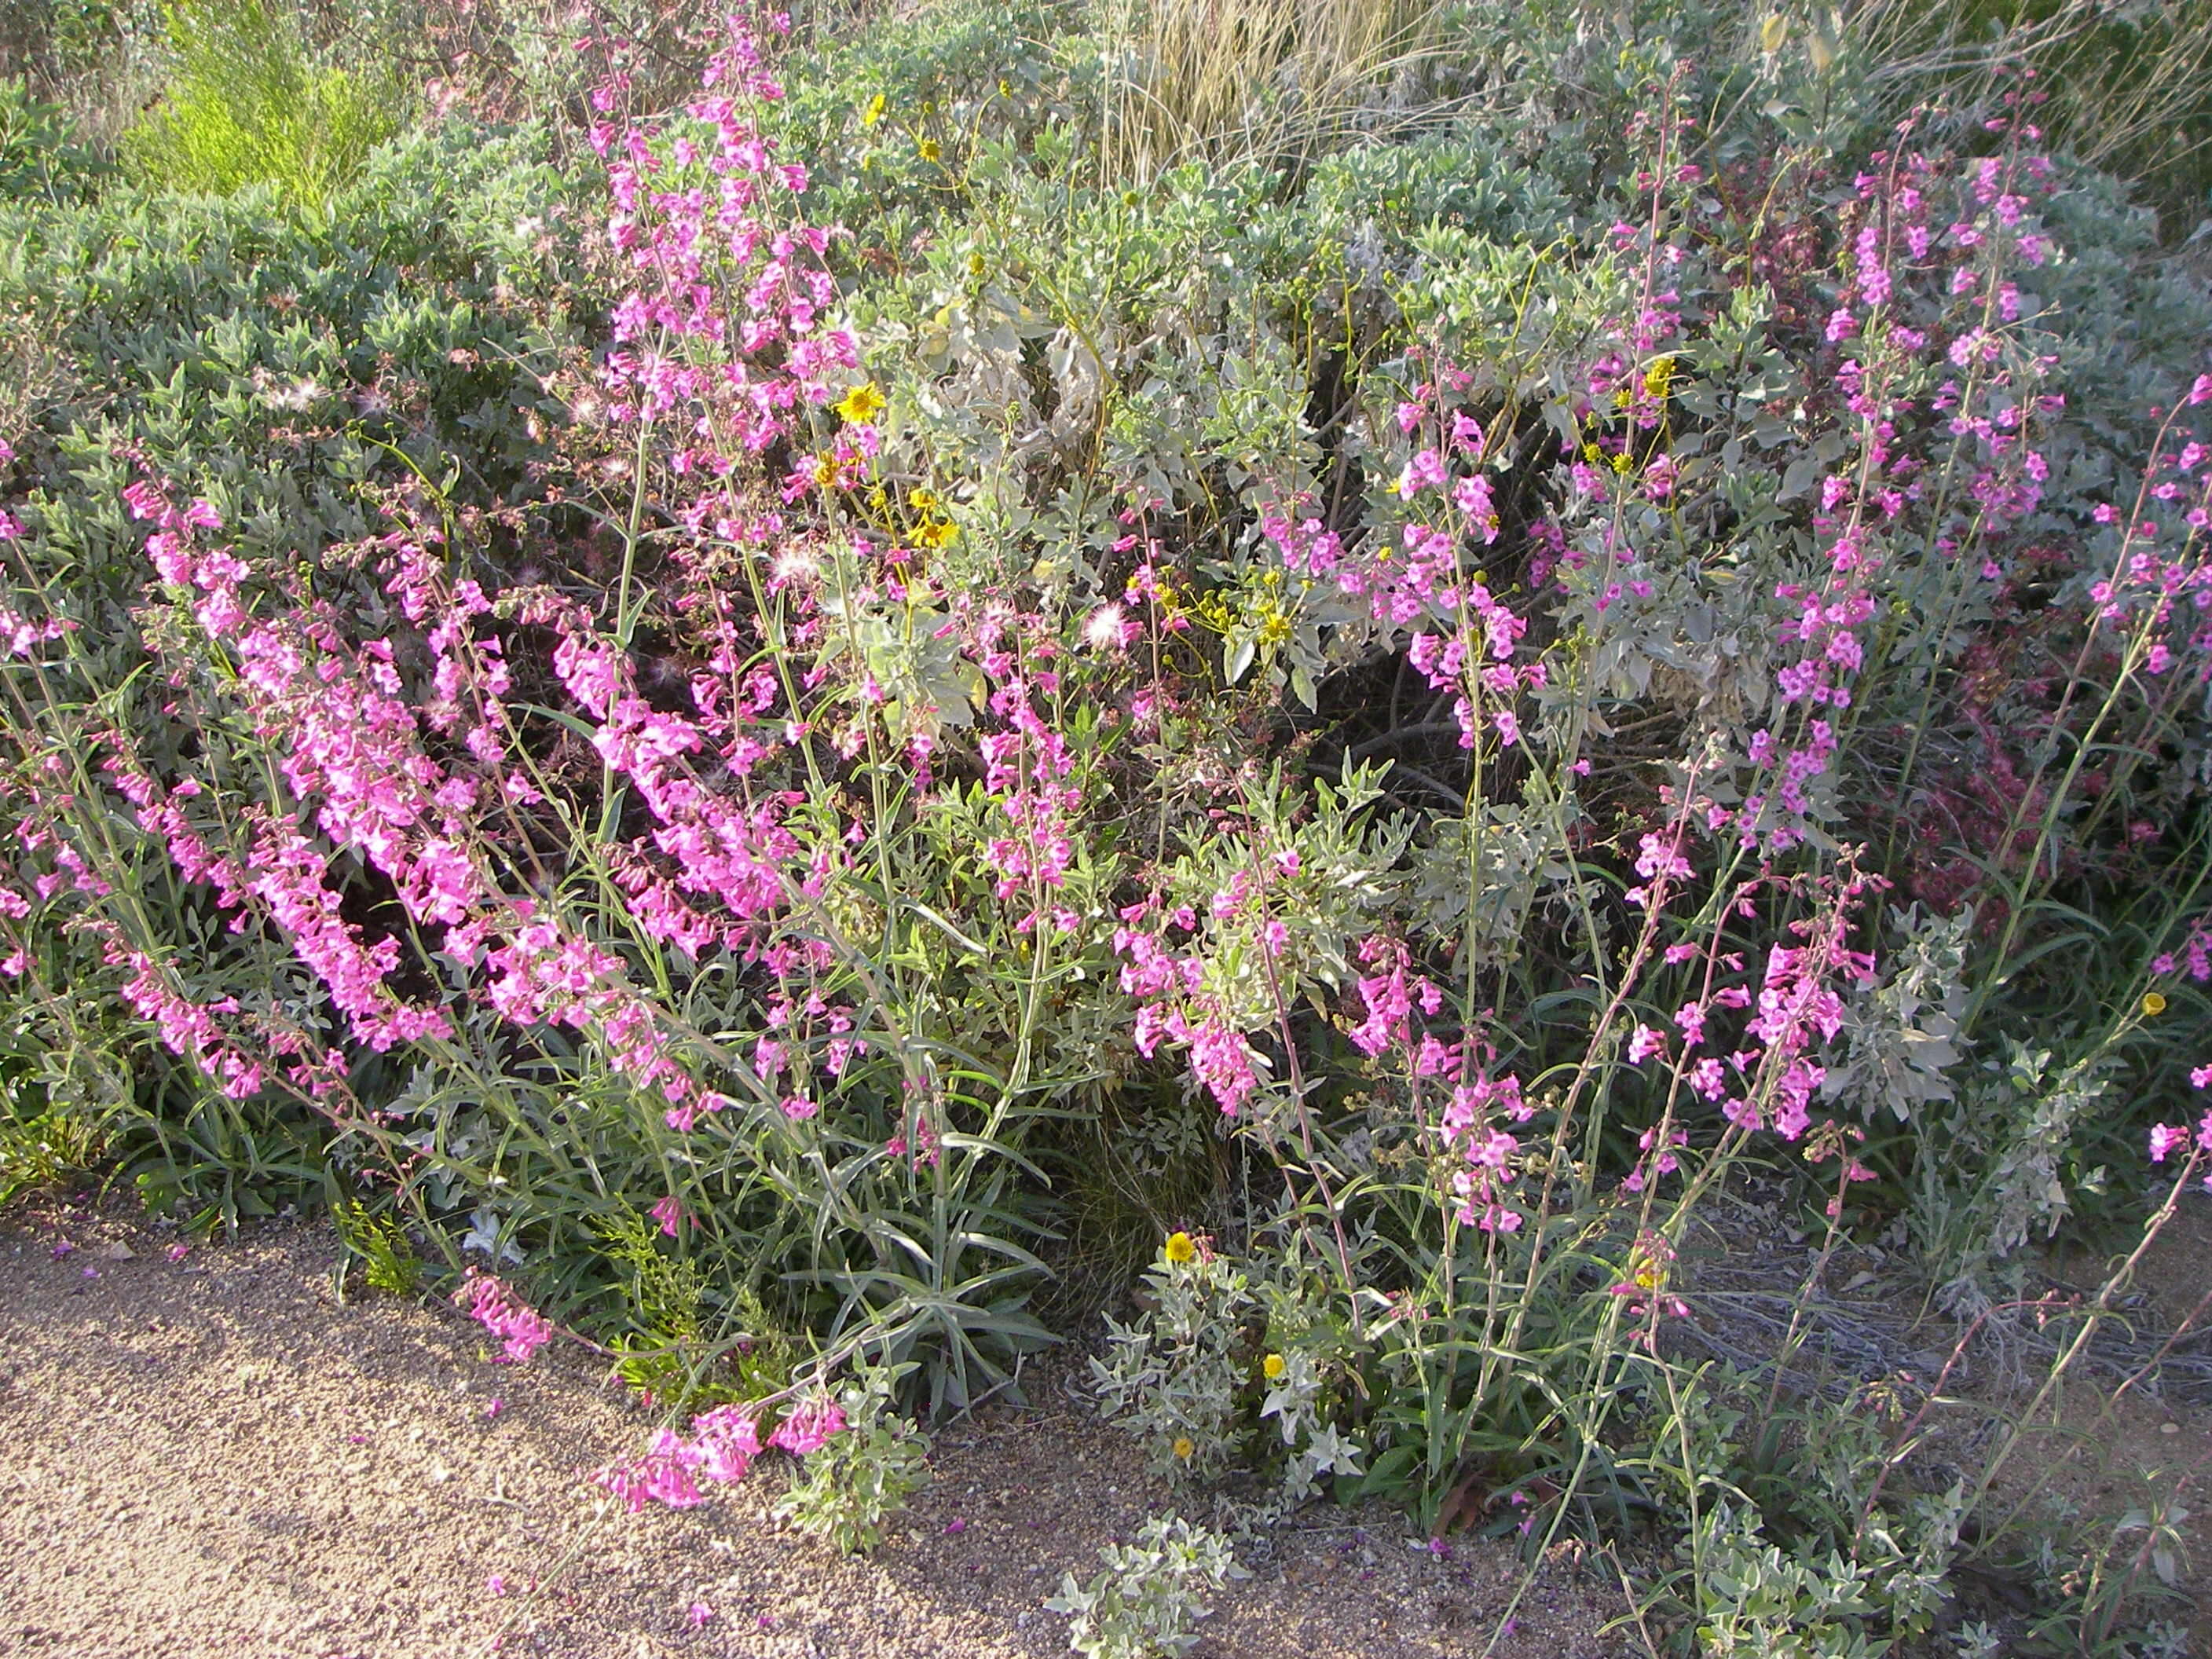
point(205, 1452)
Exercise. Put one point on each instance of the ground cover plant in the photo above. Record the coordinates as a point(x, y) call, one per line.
point(882, 679)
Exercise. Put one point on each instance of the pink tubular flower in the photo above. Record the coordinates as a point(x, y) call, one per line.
point(727, 1439)
point(2164, 1138)
point(521, 1329)
point(663, 1473)
point(669, 1214)
point(809, 1427)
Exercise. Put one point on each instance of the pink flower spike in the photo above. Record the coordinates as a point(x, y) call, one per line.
point(495, 1585)
point(669, 1214)
point(701, 1614)
point(493, 1407)
point(808, 1428)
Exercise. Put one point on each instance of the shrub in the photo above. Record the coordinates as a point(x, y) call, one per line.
point(248, 105)
point(1147, 1598)
point(1481, 695)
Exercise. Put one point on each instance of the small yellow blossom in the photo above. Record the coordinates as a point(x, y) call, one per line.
point(2152, 1003)
point(874, 112)
point(975, 266)
point(1184, 1448)
point(1274, 1366)
point(921, 500)
point(1180, 1250)
point(861, 404)
point(936, 535)
point(929, 148)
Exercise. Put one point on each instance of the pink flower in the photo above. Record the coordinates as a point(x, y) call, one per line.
point(2164, 1138)
point(809, 1427)
point(505, 1316)
point(727, 1439)
point(669, 1214)
point(663, 1473)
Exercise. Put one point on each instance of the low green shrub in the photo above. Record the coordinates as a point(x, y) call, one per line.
point(248, 104)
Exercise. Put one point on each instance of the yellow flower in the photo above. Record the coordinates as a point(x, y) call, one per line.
point(975, 266)
point(874, 112)
point(2152, 1003)
point(1180, 1250)
point(920, 500)
point(929, 149)
point(861, 404)
point(936, 535)
point(1183, 1448)
point(1005, 87)
point(1274, 1366)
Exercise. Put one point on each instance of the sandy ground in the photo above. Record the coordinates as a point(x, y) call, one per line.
point(213, 1456)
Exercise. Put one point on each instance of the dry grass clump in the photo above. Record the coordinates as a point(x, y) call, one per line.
point(1214, 79)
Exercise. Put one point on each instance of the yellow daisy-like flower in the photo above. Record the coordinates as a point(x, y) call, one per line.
point(921, 500)
point(929, 148)
point(1274, 1366)
point(1179, 1249)
point(2152, 1003)
point(874, 112)
point(1184, 1448)
point(861, 404)
point(937, 536)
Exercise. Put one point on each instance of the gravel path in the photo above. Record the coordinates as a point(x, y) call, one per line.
point(213, 1456)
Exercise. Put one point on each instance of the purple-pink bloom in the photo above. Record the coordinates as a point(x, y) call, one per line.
point(809, 1427)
